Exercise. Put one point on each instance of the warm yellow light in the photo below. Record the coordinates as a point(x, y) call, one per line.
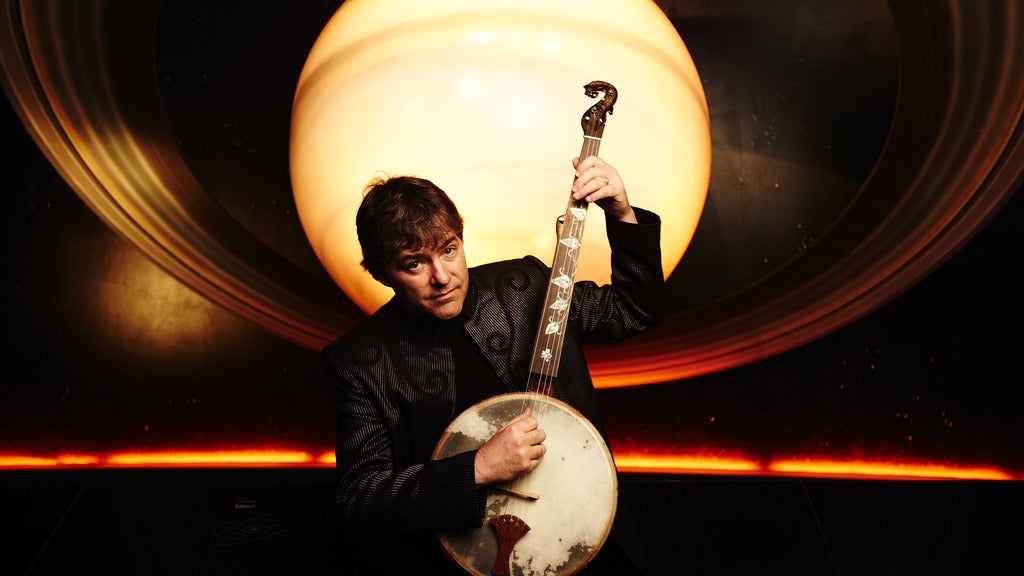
point(484, 98)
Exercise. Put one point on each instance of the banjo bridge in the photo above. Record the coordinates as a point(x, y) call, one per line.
point(517, 492)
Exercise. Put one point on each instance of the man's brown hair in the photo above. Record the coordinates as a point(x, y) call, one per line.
point(401, 212)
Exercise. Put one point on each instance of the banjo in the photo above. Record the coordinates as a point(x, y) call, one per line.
point(554, 519)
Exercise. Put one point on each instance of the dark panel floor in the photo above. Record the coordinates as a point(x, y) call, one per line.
point(279, 522)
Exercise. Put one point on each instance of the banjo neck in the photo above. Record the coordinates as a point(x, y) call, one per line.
point(547, 349)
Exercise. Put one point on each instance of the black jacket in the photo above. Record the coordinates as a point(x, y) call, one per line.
point(396, 386)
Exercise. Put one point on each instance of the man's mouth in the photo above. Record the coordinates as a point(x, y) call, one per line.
point(442, 295)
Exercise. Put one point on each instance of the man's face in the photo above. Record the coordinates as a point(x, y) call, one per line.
point(431, 282)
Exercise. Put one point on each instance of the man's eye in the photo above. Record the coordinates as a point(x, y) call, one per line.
point(412, 265)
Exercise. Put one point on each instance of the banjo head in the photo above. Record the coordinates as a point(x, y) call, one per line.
point(568, 501)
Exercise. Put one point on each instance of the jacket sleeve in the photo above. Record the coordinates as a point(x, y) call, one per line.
point(634, 301)
point(379, 487)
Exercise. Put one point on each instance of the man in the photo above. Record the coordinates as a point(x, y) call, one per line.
point(454, 336)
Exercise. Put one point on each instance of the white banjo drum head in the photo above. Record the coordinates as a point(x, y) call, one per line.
point(568, 501)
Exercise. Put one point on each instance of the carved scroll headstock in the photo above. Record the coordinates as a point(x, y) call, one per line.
point(594, 118)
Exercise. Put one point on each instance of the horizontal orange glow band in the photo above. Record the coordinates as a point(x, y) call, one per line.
point(626, 463)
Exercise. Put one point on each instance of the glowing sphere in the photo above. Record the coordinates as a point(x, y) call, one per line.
point(484, 98)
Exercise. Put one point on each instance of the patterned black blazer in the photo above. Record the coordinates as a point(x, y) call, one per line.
point(395, 379)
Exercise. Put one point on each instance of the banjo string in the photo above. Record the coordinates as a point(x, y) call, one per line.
point(566, 258)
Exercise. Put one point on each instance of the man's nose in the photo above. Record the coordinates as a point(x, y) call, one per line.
point(440, 275)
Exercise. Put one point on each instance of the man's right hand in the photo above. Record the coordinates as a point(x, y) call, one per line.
point(514, 450)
